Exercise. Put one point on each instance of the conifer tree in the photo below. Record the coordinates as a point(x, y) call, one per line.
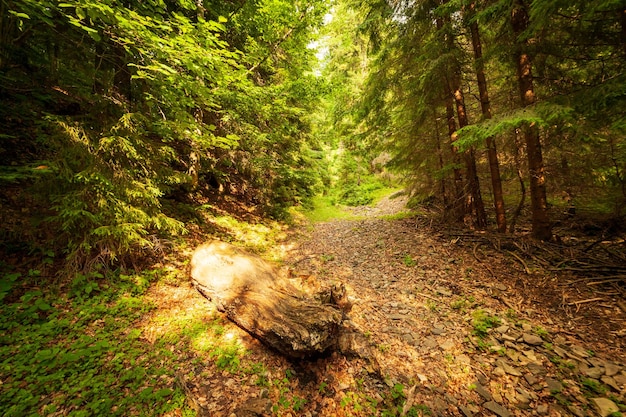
point(485, 105)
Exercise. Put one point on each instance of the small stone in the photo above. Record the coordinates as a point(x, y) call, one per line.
point(576, 411)
point(523, 399)
point(530, 378)
point(610, 381)
point(542, 409)
point(497, 408)
point(611, 369)
point(466, 411)
point(482, 379)
point(508, 368)
point(604, 406)
point(430, 343)
point(530, 354)
point(438, 331)
point(578, 359)
point(502, 329)
point(507, 344)
point(495, 389)
point(482, 391)
point(597, 362)
point(498, 371)
point(511, 370)
point(451, 400)
point(536, 370)
point(446, 345)
point(620, 378)
point(560, 351)
point(580, 351)
point(531, 339)
point(594, 372)
point(513, 355)
point(463, 359)
point(530, 395)
point(554, 385)
point(257, 406)
point(527, 327)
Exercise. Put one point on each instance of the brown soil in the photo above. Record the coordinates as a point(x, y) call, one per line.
point(419, 297)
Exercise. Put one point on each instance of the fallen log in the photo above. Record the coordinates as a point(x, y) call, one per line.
point(255, 297)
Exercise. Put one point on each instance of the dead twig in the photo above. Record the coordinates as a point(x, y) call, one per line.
point(427, 296)
point(589, 300)
point(606, 281)
point(521, 261)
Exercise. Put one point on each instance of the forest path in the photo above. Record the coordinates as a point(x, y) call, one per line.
point(465, 332)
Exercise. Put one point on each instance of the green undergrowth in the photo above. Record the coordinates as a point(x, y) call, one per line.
point(79, 351)
point(332, 206)
point(358, 402)
point(258, 236)
point(324, 208)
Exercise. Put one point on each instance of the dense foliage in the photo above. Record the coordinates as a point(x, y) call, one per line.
point(114, 112)
point(459, 90)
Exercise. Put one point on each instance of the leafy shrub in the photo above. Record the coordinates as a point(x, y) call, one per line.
point(78, 356)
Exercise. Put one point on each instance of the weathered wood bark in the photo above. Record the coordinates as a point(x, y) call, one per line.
point(541, 226)
point(485, 105)
point(271, 308)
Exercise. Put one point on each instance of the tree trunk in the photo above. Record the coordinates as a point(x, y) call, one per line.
point(442, 180)
point(485, 105)
point(273, 309)
point(458, 206)
point(541, 227)
point(518, 169)
point(475, 198)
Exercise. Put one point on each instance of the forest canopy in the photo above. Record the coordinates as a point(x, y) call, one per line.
point(120, 118)
point(114, 113)
point(467, 93)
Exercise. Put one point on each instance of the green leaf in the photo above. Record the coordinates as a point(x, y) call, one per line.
point(165, 392)
point(80, 13)
point(19, 14)
point(42, 305)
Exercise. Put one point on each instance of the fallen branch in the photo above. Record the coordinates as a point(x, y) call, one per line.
point(521, 261)
point(589, 300)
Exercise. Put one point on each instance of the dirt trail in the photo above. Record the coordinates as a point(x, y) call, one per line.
point(453, 329)
point(465, 333)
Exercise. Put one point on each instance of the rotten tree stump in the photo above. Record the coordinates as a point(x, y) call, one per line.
point(253, 295)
